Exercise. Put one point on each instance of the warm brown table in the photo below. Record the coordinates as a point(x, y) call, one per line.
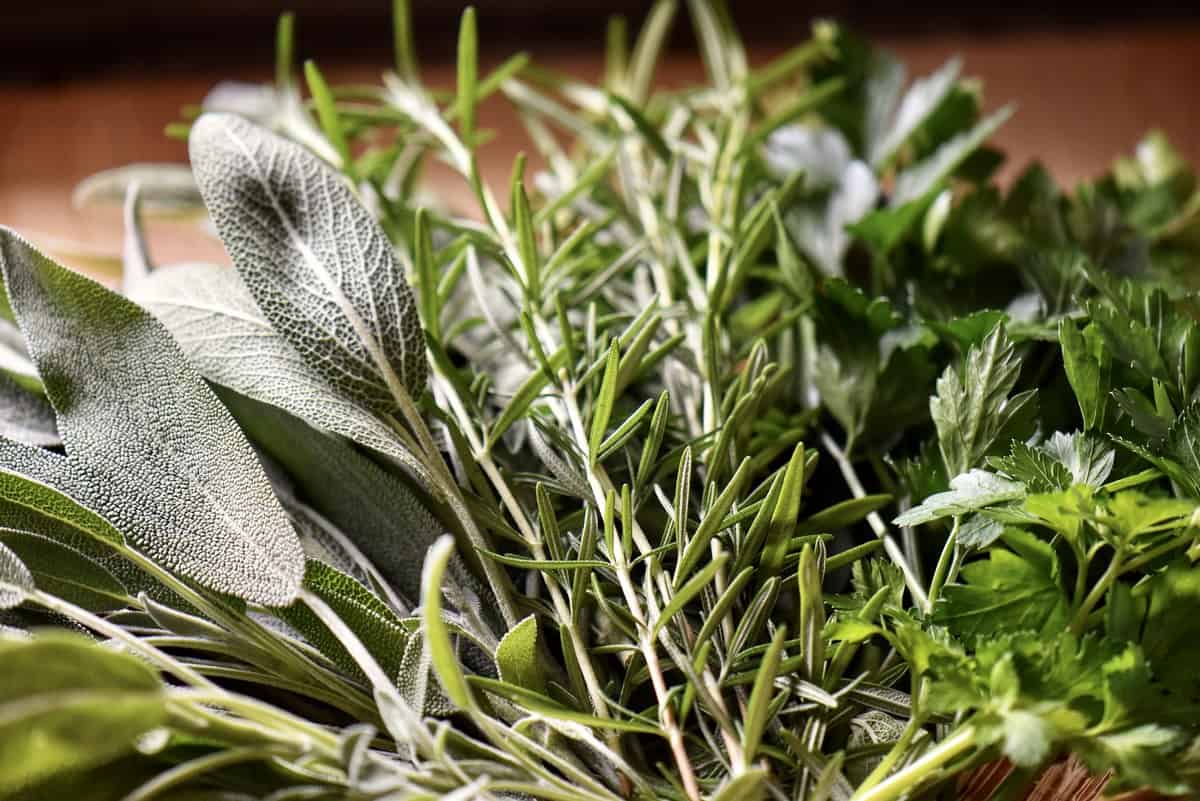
point(1083, 99)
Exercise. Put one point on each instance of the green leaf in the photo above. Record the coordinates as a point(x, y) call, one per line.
point(1087, 366)
point(1038, 470)
point(313, 259)
point(968, 492)
point(904, 117)
point(749, 785)
point(468, 74)
point(517, 657)
point(784, 514)
point(327, 113)
point(60, 570)
point(684, 595)
point(437, 634)
point(1010, 591)
point(842, 514)
point(758, 708)
point(368, 617)
point(710, 524)
point(1171, 627)
point(67, 704)
point(603, 407)
point(218, 325)
point(972, 406)
point(541, 705)
point(921, 179)
point(123, 392)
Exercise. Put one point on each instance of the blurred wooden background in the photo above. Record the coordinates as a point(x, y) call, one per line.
point(95, 93)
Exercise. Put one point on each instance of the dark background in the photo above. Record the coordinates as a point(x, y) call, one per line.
point(62, 38)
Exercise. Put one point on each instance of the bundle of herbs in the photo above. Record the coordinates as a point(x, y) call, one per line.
point(756, 445)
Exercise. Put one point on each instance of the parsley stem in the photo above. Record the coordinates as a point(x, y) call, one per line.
point(942, 571)
point(1079, 622)
point(905, 780)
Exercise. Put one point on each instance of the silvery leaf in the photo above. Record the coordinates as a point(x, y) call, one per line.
point(148, 446)
point(319, 267)
point(228, 340)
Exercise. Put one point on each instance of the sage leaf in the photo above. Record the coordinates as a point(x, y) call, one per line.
point(216, 322)
point(65, 572)
point(67, 704)
point(517, 657)
point(376, 511)
point(368, 617)
point(25, 416)
point(316, 262)
point(198, 504)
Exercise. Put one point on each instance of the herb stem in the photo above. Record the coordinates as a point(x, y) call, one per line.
point(1079, 622)
point(942, 570)
point(198, 767)
point(900, 783)
point(134, 644)
point(875, 521)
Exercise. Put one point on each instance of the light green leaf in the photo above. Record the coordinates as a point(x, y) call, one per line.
point(604, 400)
point(919, 102)
point(216, 322)
point(842, 514)
point(67, 704)
point(1006, 593)
point(1087, 366)
point(757, 709)
point(541, 705)
point(437, 634)
point(468, 75)
point(517, 657)
point(313, 258)
point(972, 406)
point(750, 785)
point(123, 393)
point(784, 514)
point(968, 492)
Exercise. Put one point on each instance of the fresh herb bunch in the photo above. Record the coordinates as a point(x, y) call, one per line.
point(587, 496)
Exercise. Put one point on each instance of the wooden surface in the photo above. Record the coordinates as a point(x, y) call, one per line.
point(1082, 99)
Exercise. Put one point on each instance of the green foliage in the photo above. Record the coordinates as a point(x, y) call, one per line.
point(583, 493)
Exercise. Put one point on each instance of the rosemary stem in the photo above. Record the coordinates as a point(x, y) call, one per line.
point(875, 521)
